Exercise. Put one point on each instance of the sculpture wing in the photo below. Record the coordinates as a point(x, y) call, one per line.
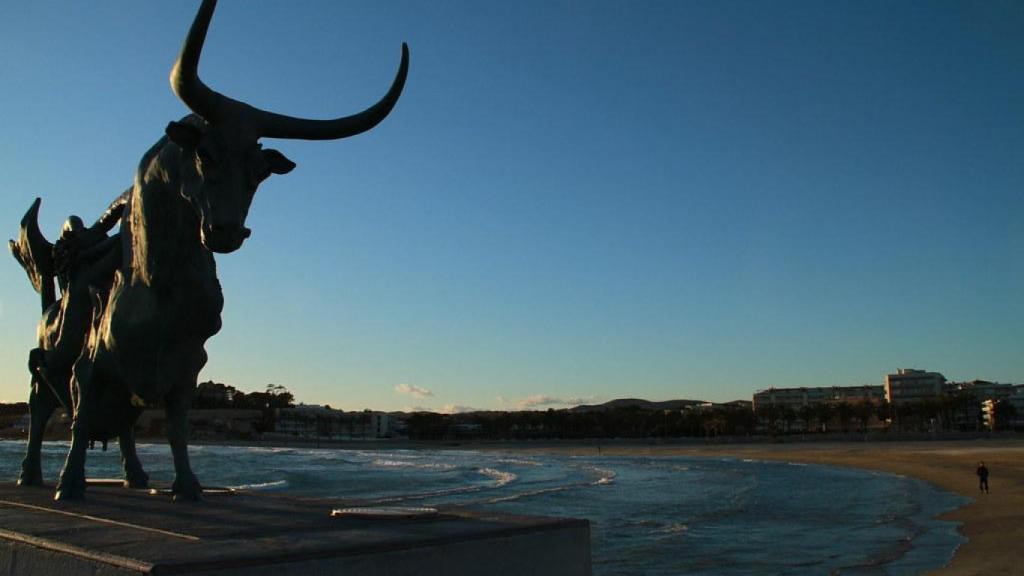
point(32, 250)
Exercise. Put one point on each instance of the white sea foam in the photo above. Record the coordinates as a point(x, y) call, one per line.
point(606, 476)
point(500, 478)
point(675, 528)
point(526, 494)
point(272, 485)
point(385, 463)
point(519, 462)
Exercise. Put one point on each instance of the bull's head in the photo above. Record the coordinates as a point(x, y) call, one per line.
point(223, 162)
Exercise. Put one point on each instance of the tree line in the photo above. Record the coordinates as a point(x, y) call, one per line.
point(214, 395)
point(948, 413)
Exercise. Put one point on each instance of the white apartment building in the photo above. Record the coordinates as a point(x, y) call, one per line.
point(910, 385)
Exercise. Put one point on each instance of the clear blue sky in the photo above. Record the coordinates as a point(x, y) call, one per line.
point(574, 200)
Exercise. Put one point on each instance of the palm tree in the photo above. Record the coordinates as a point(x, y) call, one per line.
point(823, 413)
point(788, 416)
point(884, 411)
point(845, 411)
point(1004, 412)
point(863, 411)
point(806, 413)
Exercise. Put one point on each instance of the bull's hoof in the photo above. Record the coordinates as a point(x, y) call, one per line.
point(136, 479)
point(30, 480)
point(30, 476)
point(71, 485)
point(70, 491)
point(187, 489)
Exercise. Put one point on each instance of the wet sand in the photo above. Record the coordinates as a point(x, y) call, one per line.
point(993, 523)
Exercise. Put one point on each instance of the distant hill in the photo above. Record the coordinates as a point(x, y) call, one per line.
point(645, 404)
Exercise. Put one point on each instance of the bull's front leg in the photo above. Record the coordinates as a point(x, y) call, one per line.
point(72, 477)
point(186, 486)
point(41, 405)
point(134, 475)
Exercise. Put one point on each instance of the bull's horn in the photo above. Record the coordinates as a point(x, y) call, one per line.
point(274, 125)
point(185, 76)
point(215, 107)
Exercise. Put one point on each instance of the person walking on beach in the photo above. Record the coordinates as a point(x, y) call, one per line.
point(982, 473)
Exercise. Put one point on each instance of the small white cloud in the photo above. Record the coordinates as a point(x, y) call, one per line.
point(416, 409)
point(541, 400)
point(538, 400)
point(415, 391)
point(457, 409)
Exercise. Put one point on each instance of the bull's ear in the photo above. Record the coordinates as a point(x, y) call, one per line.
point(185, 135)
point(279, 163)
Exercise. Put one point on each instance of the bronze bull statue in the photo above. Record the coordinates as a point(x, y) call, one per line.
point(144, 344)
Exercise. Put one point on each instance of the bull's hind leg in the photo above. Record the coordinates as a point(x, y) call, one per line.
point(134, 475)
point(72, 477)
point(186, 486)
point(41, 405)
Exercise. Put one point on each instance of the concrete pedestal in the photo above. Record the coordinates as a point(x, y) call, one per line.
point(116, 532)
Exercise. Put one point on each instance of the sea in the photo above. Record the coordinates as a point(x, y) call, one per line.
point(649, 515)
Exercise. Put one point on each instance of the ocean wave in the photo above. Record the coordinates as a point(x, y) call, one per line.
point(606, 476)
point(272, 485)
point(526, 494)
point(519, 462)
point(675, 528)
point(261, 449)
point(387, 463)
point(424, 495)
point(500, 478)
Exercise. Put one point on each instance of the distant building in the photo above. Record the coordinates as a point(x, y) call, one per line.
point(311, 421)
point(982, 389)
point(796, 398)
point(204, 423)
point(712, 406)
point(995, 419)
point(214, 394)
point(968, 411)
point(910, 385)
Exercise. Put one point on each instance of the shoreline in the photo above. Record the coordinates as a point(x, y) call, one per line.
point(992, 523)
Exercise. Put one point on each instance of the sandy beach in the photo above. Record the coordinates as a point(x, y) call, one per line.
point(993, 523)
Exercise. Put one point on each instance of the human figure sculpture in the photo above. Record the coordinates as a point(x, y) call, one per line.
point(190, 198)
point(83, 262)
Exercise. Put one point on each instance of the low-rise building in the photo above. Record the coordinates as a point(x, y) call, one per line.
point(1004, 413)
point(982, 389)
point(796, 398)
point(910, 385)
point(311, 421)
